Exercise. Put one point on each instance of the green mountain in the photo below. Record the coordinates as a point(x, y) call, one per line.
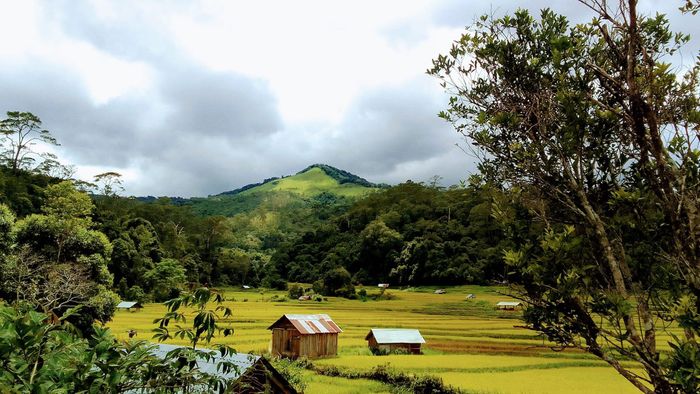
point(317, 184)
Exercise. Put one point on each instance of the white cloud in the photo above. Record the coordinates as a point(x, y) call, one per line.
point(194, 98)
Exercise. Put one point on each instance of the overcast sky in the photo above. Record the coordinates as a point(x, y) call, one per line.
point(190, 98)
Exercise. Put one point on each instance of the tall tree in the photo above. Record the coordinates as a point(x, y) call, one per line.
point(597, 136)
point(21, 131)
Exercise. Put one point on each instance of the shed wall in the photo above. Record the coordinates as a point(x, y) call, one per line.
point(288, 342)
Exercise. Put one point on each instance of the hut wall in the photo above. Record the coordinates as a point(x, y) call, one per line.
point(318, 345)
point(412, 348)
point(285, 342)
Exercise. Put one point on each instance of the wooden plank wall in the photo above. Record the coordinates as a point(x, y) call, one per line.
point(319, 345)
point(310, 346)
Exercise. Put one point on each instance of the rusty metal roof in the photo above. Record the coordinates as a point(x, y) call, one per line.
point(395, 335)
point(310, 324)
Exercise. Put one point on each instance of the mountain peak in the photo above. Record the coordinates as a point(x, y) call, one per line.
point(339, 175)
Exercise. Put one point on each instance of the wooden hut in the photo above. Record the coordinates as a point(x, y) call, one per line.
point(387, 340)
point(509, 305)
point(252, 373)
point(129, 305)
point(309, 336)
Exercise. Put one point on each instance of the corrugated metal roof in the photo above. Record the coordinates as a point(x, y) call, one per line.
point(508, 303)
point(242, 361)
point(128, 304)
point(395, 335)
point(311, 324)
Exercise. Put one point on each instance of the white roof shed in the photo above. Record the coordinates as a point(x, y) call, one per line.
point(395, 335)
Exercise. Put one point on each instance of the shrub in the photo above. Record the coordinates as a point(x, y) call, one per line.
point(295, 291)
point(136, 293)
point(338, 282)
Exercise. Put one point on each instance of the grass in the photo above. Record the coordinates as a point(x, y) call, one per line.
point(310, 183)
point(470, 346)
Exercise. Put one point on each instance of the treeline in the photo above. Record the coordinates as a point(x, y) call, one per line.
point(410, 234)
point(156, 247)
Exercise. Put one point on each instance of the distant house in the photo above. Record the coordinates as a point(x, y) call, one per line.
point(509, 305)
point(440, 291)
point(310, 336)
point(129, 305)
point(253, 374)
point(304, 298)
point(383, 285)
point(391, 339)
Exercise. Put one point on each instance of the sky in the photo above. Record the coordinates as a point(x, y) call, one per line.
point(192, 98)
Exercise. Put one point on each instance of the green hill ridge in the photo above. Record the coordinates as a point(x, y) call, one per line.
point(317, 183)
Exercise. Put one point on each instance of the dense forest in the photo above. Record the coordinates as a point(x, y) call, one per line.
point(410, 234)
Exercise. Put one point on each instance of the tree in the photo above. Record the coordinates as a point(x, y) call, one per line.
point(110, 183)
point(338, 282)
point(166, 279)
point(596, 137)
point(67, 258)
point(20, 132)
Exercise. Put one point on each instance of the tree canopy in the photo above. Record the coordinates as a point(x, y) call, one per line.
point(594, 136)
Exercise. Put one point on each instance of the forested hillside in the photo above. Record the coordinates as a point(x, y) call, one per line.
point(409, 234)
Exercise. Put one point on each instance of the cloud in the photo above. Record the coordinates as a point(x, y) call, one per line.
point(389, 126)
point(186, 100)
point(221, 104)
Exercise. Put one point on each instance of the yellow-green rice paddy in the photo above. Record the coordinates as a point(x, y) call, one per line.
point(469, 344)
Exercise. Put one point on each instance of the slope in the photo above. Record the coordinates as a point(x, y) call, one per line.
point(316, 184)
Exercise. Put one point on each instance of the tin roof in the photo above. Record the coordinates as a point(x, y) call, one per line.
point(310, 324)
point(508, 303)
point(242, 361)
point(395, 335)
point(128, 304)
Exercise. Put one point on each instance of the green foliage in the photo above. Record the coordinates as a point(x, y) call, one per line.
point(136, 293)
point(19, 132)
point(586, 127)
point(295, 291)
point(205, 324)
point(43, 357)
point(384, 374)
point(165, 279)
point(338, 282)
point(407, 234)
point(292, 371)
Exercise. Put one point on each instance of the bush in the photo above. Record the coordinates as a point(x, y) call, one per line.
point(293, 372)
point(338, 282)
point(136, 293)
point(295, 291)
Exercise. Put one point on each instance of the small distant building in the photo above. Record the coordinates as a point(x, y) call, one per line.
point(253, 374)
point(440, 291)
point(129, 306)
point(305, 298)
point(509, 305)
point(391, 339)
point(309, 336)
point(383, 285)
point(245, 287)
point(470, 296)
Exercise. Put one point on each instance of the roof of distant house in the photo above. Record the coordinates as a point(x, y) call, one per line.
point(242, 361)
point(395, 335)
point(129, 304)
point(509, 303)
point(310, 324)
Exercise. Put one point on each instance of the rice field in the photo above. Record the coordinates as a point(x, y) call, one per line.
point(470, 345)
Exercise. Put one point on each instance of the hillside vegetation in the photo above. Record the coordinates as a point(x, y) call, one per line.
point(301, 189)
